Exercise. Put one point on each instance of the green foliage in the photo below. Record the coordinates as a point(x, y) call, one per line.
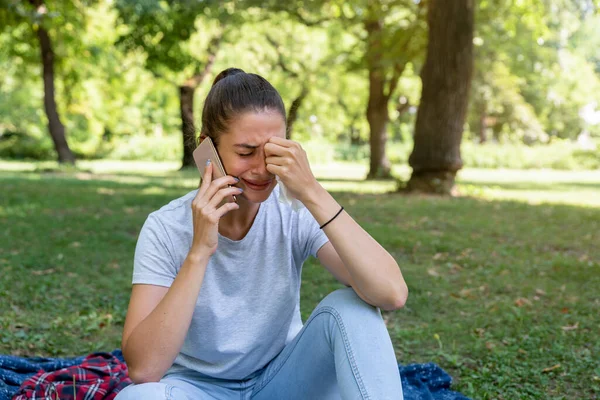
point(166, 148)
point(562, 155)
point(534, 71)
point(118, 65)
point(172, 35)
point(18, 145)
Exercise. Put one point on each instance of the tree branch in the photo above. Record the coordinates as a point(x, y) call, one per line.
point(295, 13)
point(401, 65)
point(280, 61)
point(398, 70)
point(213, 48)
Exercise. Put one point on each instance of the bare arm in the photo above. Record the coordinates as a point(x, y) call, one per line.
point(158, 318)
point(157, 322)
point(354, 257)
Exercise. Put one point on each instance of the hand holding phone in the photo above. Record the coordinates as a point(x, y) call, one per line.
point(208, 207)
point(207, 151)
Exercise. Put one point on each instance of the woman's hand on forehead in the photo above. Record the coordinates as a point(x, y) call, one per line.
point(288, 160)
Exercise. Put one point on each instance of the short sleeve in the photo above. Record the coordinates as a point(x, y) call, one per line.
point(153, 261)
point(310, 237)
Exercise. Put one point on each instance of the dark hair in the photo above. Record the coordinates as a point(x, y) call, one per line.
point(235, 92)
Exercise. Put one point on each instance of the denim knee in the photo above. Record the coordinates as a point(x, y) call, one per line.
point(348, 304)
point(149, 391)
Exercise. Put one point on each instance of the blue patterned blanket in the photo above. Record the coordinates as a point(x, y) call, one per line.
point(419, 381)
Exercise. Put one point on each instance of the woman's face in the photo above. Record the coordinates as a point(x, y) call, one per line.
point(242, 152)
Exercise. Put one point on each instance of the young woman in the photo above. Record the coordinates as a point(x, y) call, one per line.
point(214, 310)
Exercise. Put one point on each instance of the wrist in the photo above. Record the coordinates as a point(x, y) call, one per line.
point(198, 256)
point(314, 195)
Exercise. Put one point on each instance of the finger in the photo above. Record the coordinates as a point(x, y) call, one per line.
point(277, 161)
point(206, 179)
point(277, 169)
point(272, 149)
point(221, 195)
point(225, 208)
point(281, 141)
point(219, 184)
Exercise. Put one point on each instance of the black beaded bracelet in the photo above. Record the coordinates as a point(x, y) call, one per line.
point(334, 217)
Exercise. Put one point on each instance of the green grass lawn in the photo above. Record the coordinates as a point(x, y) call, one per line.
point(504, 280)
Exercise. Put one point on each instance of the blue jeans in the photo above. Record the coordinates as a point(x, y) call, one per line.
point(343, 352)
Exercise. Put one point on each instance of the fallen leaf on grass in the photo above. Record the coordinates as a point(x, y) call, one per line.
point(386, 318)
point(552, 368)
point(433, 272)
point(455, 268)
point(571, 327)
point(490, 345)
point(522, 351)
point(440, 256)
point(107, 191)
point(44, 272)
point(564, 310)
point(521, 301)
point(583, 258)
point(464, 293)
point(540, 292)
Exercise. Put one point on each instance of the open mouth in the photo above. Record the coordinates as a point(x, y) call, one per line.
point(257, 185)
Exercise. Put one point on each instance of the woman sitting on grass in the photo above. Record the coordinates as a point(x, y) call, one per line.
point(214, 310)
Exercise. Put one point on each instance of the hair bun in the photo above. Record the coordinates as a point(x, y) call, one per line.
point(227, 72)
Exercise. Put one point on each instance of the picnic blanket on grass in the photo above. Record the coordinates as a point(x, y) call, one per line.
point(103, 375)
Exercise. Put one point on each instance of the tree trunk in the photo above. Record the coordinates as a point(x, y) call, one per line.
point(483, 123)
point(55, 126)
point(188, 129)
point(354, 132)
point(186, 104)
point(377, 108)
point(446, 78)
point(293, 113)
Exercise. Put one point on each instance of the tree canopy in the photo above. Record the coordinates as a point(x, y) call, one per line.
point(348, 66)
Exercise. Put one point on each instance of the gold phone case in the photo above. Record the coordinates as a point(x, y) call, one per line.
point(203, 152)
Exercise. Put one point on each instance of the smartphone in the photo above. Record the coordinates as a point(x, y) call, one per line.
point(207, 150)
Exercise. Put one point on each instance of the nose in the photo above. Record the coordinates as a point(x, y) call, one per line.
point(259, 169)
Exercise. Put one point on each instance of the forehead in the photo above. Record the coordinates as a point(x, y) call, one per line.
point(255, 128)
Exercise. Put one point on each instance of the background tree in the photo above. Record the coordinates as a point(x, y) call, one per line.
point(43, 21)
point(446, 79)
point(389, 36)
point(164, 32)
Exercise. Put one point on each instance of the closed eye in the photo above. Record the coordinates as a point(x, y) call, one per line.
point(244, 155)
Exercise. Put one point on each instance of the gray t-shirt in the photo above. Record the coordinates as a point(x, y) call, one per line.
point(248, 308)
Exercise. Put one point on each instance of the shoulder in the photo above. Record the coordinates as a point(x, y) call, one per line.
point(180, 205)
point(174, 215)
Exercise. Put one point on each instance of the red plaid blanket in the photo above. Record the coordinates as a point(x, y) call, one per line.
point(99, 376)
